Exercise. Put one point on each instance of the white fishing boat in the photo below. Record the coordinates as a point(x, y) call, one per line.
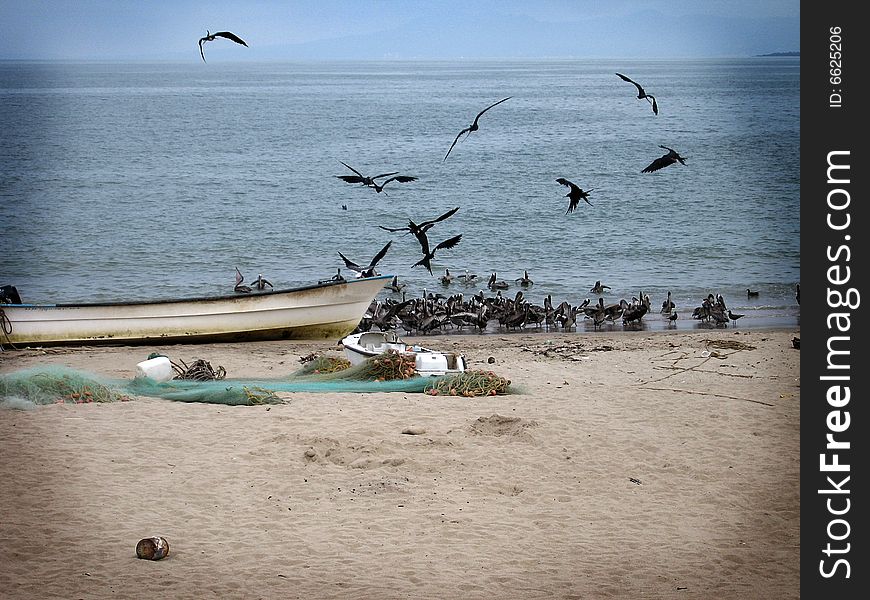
point(328, 310)
point(360, 346)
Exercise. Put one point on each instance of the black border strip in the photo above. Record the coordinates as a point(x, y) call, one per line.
point(834, 223)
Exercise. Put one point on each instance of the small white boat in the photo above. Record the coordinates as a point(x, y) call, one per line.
point(328, 310)
point(360, 346)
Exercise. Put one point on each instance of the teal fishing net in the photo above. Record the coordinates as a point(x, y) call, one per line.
point(389, 372)
point(57, 385)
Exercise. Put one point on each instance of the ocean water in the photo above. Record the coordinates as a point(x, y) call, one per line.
point(124, 181)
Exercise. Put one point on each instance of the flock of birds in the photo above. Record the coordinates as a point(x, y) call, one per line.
point(575, 194)
point(435, 311)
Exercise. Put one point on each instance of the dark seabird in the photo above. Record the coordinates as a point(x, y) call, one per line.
point(447, 277)
point(734, 317)
point(428, 255)
point(665, 160)
point(751, 294)
point(497, 284)
point(468, 278)
point(524, 281)
point(668, 305)
point(337, 278)
point(210, 37)
point(641, 94)
point(360, 178)
point(394, 285)
point(473, 127)
point(598, 288)
point(422, 227)
point(575, 194)
point(399, 178)
point(367, 271)
point(797, 294)
point(672, 319)
point(261, 283)
point(239, 288)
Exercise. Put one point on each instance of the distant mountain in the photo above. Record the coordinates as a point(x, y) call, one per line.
point(793, 53)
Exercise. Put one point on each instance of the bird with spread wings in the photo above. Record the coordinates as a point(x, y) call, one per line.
point(369, 270)
point(210, 37)
point(473, 127)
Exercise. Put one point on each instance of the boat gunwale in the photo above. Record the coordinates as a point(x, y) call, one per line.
point(197, 299)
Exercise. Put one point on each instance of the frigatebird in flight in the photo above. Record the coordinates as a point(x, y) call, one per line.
point(363, 179)
point(428, 254)
point(367, 271)
point(641, 94)
point(665, 161)
point(210, 37)
point(473, 127)
point(399, 178)
point(422, 227)
point(575, 194)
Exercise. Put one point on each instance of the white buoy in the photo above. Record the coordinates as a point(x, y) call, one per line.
point(157, 369)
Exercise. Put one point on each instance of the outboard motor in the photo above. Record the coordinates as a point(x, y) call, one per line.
point(9, 295)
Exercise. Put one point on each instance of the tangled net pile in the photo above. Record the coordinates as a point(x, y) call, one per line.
point(316, 365)
point(58, 385)
point(388, 372)
point(468, 384)
point(200, 370)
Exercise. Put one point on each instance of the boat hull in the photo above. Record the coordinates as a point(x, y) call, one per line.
point(327, 311)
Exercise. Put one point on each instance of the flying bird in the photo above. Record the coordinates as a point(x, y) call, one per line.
point(428, 255)
point(422, 227)
point(473, 127)
point(665, 160)
point(399, 178)
point(575, 194)
point(369, 270)
point(210, 37)
point(363, 179)
point(641, 94)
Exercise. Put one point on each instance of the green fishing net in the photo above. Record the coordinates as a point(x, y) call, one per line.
point(57, 385)
point(389, 372)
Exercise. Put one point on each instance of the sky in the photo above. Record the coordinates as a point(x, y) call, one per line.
point(396, 29)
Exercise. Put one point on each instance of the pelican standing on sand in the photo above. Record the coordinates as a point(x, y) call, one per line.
point(473, 127)
point(210, 37)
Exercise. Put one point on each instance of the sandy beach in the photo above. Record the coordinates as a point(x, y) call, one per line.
point(627, 465)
